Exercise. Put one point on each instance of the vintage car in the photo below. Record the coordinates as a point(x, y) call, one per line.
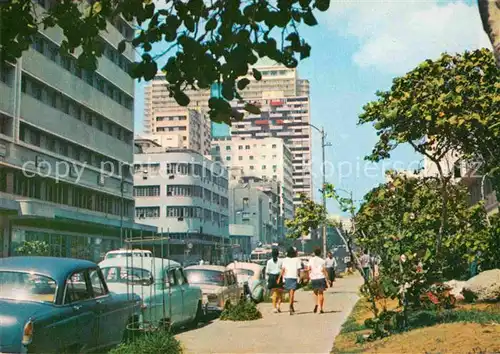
point(128, 253)
point(218, 285)
point(167, 296)
point(54, 305)
point(250, 277)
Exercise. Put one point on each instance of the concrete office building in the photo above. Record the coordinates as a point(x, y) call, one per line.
point(189, 126)
point(268, 159)
point(64, 135)
point(256, 202)
point(185, 196)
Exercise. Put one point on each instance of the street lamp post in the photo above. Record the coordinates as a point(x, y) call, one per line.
point(323, 173)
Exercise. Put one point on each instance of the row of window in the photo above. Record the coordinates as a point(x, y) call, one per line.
point(170, 118)
point(182, 191)
point(45, 141)
point(181, 212)
point(59, 101)
point(117, 22)
point(50, 50)
point(171, 129)
point(63, 193)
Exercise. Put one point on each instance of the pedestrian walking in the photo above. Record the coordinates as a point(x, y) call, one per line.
point(319, 279)
point(365, 265)
point(290, 273)
point(274, 279)
point(330, 264)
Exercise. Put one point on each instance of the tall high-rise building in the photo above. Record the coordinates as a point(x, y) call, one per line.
point(284, 101)
point(66, 140)
point(192, 129)
point(268, 159)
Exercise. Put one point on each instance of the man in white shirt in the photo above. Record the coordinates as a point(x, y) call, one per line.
point(290, 269)
point(319, 279)
point(330, 265)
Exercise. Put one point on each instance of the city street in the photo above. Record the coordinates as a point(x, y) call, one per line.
point(304, 332)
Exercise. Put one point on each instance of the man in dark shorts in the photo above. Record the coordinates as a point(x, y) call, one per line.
point(319, 279)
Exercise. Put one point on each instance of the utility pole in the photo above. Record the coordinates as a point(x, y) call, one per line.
point(122, 185)
point(323, 172)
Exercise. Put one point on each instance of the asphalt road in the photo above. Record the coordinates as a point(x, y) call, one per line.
point(304, 332)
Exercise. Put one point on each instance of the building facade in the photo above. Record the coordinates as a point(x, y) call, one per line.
point(287, 119)
point(185, 196)
point(268, 159)
point(66, 147)
point(187, 128)
point(257, 203)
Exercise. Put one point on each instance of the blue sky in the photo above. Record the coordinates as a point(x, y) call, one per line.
point(357, 48)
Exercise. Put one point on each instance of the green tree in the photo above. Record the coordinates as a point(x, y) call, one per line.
point(33, 248)
point(209, 41)
point(308, 216)
point(402, 217)
point(450, 105)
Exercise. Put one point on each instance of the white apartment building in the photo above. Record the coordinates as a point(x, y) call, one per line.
point(286, 118)
point(182, 127)
point(184, 195)
point(268, 158)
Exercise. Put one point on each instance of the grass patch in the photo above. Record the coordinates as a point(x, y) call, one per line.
point(480, 319)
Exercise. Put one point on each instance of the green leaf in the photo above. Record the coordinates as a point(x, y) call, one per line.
point(122, 46)
point(211, 24)
point(251, 108)
point(256, 74)
point(243, 83)
point(309, 18)
point(322, 5)
point(97, 7)
point(181, 98)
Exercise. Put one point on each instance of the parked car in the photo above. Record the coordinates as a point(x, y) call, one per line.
point(250, 277)
point(167, 296)
point(218, 285)
point(50, 305)
point(128, 253)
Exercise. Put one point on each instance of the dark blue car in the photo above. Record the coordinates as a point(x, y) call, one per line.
point(50, 305)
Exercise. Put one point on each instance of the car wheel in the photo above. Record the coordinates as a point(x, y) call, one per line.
point(197, 318)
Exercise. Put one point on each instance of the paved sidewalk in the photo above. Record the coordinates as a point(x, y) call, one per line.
point(305, 332)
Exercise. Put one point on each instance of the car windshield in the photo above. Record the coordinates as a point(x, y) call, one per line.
point(202, 276)
point(119, 274)
point(27, 286)
point(240, 271)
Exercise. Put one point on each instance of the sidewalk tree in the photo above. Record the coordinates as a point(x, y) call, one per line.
point(402, 217)
point(441, 108)
point(208, 42)
point(309, 215)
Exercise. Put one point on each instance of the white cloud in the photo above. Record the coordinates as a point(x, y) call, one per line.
point(394, 36)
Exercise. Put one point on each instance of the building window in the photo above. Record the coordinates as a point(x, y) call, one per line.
point(240, 147)
point(240, 158)
point(274, 146)
point(181, 212)
point(263, 167)
point(247, 147)
point(147, 212)
point(146, 191)
point(228, 158)
point(228, 147)
point(251, 157)
point(252, 167)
